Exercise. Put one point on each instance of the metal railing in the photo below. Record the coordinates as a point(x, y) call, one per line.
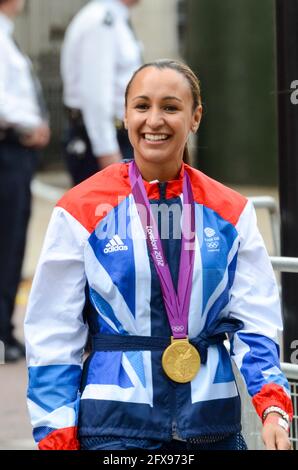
point(268, 203)
point(284, 264)
point(290, 265)
point(250, 421)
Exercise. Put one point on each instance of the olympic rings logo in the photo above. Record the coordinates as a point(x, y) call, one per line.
point(213, 245)
point(178, 329)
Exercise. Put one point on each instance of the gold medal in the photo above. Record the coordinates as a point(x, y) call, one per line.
point(181, 361)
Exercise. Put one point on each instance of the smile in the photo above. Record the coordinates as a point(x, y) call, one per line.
point(156, 137)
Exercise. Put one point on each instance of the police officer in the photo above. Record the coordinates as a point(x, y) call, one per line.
point(99, 55)
point(23, 130)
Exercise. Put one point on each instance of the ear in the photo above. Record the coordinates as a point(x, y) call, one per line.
point(196, 119)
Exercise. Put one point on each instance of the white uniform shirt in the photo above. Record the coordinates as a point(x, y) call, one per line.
point(99, 56)
point(18, 102)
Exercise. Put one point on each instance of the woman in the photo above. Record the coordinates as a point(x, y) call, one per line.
point(173, 262)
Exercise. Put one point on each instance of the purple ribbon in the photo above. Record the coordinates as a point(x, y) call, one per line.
point(176, 304)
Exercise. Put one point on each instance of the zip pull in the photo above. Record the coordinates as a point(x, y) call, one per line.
point(174, 430)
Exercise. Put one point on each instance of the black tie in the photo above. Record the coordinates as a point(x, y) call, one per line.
point(37, 87)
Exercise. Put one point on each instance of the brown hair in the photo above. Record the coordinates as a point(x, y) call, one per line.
point(184, 70)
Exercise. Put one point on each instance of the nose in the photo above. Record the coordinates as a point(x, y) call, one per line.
point(155, 118)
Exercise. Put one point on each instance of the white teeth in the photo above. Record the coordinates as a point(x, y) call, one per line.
point(156, 137)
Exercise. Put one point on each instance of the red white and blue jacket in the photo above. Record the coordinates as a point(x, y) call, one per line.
point(127, 394)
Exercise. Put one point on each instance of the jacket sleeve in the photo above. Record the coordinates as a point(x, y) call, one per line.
point(55, 334)
point(97, 87)
point(255, 301)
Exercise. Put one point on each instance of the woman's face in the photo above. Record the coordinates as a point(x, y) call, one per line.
point(160, 115)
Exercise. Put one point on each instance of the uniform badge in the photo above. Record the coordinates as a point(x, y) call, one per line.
point(108, 19)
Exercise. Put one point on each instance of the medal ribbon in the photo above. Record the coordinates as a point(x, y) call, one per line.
point(176, 304)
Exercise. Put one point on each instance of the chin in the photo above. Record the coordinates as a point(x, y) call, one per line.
point(156, 157)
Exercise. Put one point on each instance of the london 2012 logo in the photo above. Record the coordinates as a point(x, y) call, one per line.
point(211, 239)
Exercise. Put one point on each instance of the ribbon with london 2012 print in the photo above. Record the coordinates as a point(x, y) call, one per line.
point(181, 360)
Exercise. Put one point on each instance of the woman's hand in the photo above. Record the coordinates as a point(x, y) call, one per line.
point(273, 435)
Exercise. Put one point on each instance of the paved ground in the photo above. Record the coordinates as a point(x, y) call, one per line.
point(15, 430)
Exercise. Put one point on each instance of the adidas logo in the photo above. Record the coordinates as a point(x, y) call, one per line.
point(114, 245)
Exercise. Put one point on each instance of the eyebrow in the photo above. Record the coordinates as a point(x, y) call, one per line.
point(144, 97)
point(172, 98)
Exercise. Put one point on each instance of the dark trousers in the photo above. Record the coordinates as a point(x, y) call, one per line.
point(80, 160)
point(17, 165)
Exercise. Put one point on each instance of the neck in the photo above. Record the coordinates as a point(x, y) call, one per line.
point(159, 171)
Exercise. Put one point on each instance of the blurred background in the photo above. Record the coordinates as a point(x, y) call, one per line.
point(231, 46)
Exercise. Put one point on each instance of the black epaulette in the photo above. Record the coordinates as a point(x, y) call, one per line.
point(108, 19)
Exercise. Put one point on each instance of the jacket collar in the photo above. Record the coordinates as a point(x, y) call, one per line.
point(174, 188)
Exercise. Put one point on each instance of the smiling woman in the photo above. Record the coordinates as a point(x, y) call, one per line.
point(164, 301)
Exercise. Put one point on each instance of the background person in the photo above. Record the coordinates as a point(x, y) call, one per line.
point(99, 55)
point(23, 130)
point(138, 388)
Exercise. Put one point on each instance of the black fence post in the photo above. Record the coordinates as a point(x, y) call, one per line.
point(287, 81)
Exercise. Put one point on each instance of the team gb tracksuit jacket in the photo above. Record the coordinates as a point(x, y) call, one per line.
point(126, 393)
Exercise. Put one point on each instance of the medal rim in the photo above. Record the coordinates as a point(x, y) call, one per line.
point(173, 345)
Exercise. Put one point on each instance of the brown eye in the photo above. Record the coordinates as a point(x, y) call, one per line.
point(142, 106)
point(170, 109)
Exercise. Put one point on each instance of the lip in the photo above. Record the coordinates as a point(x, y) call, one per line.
point(155, 142)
